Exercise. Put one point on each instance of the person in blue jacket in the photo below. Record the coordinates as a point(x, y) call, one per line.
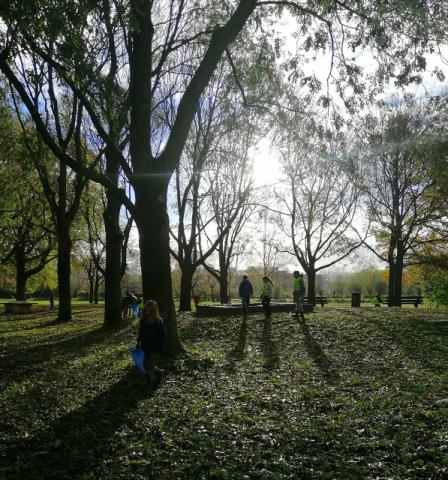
point(245, 292)
point(151, 339)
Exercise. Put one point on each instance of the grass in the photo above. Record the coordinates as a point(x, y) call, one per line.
point(347, 394)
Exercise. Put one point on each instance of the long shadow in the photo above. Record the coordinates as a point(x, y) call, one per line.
point(420, 340)
point(238, 353)
point(317, 354)
point(23, 362)
point(269, 346)
point(77, 443)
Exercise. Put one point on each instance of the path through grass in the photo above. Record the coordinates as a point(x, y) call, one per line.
point(348, 394)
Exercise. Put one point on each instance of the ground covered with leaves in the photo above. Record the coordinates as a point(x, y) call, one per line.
point(347, 394)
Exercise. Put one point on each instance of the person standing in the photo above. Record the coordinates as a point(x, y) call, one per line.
point(51, 306)
point(266, 294)
point(152, 337)
point(245, 292)
point(298, 293)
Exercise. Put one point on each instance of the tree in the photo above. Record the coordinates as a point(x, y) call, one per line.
point(25, 225)
point(159, 42)
point(318, 203)
point(231, 205)
point(402, 201)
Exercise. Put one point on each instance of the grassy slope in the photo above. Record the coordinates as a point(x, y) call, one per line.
point(349, 394)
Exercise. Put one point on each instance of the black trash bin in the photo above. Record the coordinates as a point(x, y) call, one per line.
point(356, 299)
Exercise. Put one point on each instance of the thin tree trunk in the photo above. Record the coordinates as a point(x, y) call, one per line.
point(114, 240)
point(91, 287)
point(95, 289)
point(186, 283)
point(64, 273)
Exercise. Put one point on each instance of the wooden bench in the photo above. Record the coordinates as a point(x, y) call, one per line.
point(415, 300)
point(226, 310)
point(19, 307)
point(318, 300)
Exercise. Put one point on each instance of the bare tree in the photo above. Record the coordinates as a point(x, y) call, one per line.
point(318, 205)
point(402, 200)
point(230, 204)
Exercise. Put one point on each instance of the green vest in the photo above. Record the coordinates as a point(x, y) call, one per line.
point(265, 289)
point(298, 284)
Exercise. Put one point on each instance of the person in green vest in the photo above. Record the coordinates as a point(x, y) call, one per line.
point(298, 293)
point(266, 294)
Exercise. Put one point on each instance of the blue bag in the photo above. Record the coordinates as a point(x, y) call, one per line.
point(138, 356)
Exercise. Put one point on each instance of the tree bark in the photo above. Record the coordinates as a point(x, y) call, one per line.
point(20, 277)
point(114, 241)
point(91, 287)
point(186, 283)
point(64, 273)
point(311, 276)
point(223, 287)
point(153, 227)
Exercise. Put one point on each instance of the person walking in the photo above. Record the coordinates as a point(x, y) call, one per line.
point(152, 337)
point(298, 293)
point(245, 291)
point(266, 295)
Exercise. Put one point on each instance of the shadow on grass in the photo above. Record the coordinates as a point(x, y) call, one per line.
point(26, 361)
point(77, 443)
point(269, 346)
point(238, 353)
point(419, 339)
point(317, 354)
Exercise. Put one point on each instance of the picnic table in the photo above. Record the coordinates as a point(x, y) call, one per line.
point(18, 307)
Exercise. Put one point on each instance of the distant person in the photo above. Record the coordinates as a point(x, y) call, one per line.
point(266, 295)
point(196, 299)
point(377, 301)
point(298, 293)
point(126, 305)
point(245, 291)
point(51, 306)
point(151, 339)
point(134, 304)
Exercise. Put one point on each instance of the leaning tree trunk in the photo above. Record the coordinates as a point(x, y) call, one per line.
point(153, 228)
point(114, 240)
point(20, 277)
point(186, 284)
point(64, 273)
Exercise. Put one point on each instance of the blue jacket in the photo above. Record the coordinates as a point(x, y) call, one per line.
point(245, 289)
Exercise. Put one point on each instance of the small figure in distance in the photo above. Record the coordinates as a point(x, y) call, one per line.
point(151, 339)
point(298, 293)
point(196, 299)
point(266, 295)
point(377, 301)
point(51, 306)
point(245, 291)
point(126, 305)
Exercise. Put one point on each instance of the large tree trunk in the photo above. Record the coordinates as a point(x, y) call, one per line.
point(64, 273)
point(186, 283)
point(153, 228)
point(114, 240)
point(311, 276)
point(21, 277)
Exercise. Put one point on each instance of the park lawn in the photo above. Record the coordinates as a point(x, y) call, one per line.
point(349, 394)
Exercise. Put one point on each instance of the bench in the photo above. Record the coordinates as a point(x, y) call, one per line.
point(415, 300)
point(226, 310)
point(318, 300)
point(19, 307)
